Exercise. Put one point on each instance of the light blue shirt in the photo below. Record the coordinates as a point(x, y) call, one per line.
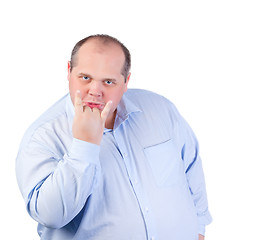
point(144, 181)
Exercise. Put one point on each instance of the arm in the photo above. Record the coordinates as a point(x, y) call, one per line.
point(195, 177)
point(56, 187)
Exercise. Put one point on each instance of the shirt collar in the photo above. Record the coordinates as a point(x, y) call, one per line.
point(124, 109)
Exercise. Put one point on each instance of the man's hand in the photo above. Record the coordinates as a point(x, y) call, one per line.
point(88, 124)
point(201, 237)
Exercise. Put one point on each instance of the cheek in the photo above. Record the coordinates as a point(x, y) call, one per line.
point(71, 85)
point(116, 96)
point(75, 85)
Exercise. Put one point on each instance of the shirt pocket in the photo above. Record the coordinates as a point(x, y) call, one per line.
point(164, 162)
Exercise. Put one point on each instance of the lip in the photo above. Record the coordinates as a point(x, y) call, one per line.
point(92, 105)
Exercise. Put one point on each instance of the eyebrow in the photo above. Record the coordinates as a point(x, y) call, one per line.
point(84, 74)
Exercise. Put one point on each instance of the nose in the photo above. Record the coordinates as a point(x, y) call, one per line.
point(95, 89)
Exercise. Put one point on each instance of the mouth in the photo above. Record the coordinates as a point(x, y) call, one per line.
point(92, 105)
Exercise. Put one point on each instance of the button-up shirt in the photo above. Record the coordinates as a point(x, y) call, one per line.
point(144, 181)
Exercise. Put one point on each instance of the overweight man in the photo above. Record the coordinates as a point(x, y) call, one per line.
point(108, 163)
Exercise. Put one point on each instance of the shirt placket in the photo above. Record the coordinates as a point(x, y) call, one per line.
point(134, 179)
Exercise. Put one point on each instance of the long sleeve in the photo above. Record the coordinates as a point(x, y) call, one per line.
point(55, 187)
point(195, 176)
point(144, 181)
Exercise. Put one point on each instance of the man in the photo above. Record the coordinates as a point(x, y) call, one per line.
point(109, 163)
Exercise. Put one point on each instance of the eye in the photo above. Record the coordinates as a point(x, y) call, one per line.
point(108, 82)
point(85, 78)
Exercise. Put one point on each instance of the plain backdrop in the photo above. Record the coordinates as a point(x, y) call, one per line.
point(205, 56)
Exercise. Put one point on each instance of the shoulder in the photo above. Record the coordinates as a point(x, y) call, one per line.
point(54, 117)
point(141, 93)
point(160, 114)
point(151, 101)
point(156, 110)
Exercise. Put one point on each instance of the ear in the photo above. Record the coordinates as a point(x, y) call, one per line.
point(68, 70)
point(128, 77)
point(127, 81)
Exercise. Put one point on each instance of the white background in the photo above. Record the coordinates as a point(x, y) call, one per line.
point(205, 56)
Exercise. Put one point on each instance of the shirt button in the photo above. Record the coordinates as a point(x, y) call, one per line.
point(153, 238)
point(125, 154)
point(147, 209)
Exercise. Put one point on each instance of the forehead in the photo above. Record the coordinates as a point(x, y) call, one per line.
point(97, 47)
point(100, 59)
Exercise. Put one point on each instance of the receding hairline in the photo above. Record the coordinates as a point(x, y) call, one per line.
point(101, 46)
point(104, 41)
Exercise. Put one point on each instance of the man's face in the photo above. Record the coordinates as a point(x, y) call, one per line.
point(97, 74)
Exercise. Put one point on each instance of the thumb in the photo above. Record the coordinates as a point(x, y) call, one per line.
point(106, 111)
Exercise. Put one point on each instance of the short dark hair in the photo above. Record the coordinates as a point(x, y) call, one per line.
point(105, 39)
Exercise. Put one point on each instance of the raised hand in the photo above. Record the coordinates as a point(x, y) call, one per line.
point(88, 124)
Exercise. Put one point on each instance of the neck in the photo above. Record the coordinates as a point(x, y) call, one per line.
point(110, 120)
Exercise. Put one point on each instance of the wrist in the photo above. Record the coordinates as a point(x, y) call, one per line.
point(81, 150)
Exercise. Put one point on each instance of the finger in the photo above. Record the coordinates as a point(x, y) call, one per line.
point(95, 110)
point(106, 111)
point(87, 109)
point(78, 102)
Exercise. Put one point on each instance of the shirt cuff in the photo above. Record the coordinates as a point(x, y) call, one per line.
point(84, 151)
point(202, 229)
